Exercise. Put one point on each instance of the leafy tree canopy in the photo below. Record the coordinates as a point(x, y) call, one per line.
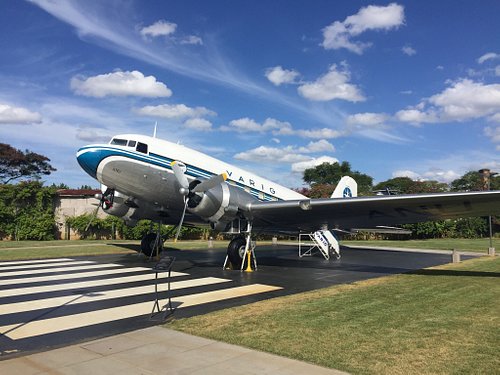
point(472, 181)
point(331, 173)
point(405, 185)
point(15, 164)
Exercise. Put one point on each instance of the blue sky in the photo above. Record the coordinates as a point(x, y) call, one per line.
point(405, 88)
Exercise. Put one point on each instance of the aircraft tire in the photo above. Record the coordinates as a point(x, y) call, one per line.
point(234, 251)
point(147, 244)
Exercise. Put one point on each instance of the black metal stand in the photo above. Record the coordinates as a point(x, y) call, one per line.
point(164, 265)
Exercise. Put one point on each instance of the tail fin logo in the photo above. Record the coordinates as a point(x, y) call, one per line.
point(347, 192)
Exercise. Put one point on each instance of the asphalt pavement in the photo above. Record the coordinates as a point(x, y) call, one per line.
point(54, 303)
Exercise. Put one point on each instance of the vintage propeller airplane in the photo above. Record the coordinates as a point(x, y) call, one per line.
point(145, 177)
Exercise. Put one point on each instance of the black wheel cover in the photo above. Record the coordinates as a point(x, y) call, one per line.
point(233, 252)
point(147, 244)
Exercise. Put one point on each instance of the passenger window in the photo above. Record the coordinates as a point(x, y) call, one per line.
point(142, 147)
point(131, 143)
point(119, 142)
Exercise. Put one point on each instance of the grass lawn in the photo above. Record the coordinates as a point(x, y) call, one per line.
point(439, 320)
point(463, 244)
point(15, 250)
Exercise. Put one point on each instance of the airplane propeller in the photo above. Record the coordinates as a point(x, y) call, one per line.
point(103, 199)
point(189, 191)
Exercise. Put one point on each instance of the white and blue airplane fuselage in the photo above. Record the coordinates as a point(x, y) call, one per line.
point(138, 169)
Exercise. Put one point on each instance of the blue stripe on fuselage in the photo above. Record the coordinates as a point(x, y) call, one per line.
point(93, 156)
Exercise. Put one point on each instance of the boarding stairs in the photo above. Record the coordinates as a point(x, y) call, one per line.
point(322, 241)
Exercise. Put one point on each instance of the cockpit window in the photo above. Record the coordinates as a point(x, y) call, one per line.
point(119, 142)
point(142, 147)
point(131, 143)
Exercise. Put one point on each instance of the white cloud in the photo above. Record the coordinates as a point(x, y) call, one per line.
point(441, 175)
point(415, 116)
point(367, 119)
point(120, 84)
point(198, 124)
point(288, 154)
point(301, 166)
point(244, 125)
point(333, 85)
point(497, 70)
point(272, 154)
point(467, 99)
point(319, 146)
point(18, 115)
point(488, 56)
point(433, 174)
point(93, 135)
point(408, 50)
point(338, 34)
point(463, 100)
point(495, 117)
point(174, 111)
point(191, 39)
point(159, 28)
point(276, 127)
point(326, 133)
point(278, 75)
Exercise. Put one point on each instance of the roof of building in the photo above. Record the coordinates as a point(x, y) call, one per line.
point(78, 192)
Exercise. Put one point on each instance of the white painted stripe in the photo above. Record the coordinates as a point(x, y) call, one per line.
point(46, 303)
point(58, 269)
point(27, 266)
point(80, 284)
point(220, 295)
point(48, 260)
point(53, 325)
point(65, 277)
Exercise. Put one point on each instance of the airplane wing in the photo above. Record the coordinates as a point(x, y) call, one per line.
point(346, 213)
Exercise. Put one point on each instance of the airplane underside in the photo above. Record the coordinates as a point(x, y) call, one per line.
point(163, 204)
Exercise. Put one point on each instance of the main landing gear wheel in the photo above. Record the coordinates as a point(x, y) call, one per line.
point(236, 251)
point(148, 244)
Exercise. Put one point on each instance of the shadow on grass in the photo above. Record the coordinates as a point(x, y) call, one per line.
point(427, 272)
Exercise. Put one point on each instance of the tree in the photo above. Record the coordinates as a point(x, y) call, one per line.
point(331, 173)
point(26, 211)
point(16, 164)
point(472, 181)
point(405, 185)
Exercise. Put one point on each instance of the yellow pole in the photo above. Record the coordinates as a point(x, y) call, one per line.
point(249, 259)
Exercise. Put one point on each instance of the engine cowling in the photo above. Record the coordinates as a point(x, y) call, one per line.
point(128, 209)
point(220, 205)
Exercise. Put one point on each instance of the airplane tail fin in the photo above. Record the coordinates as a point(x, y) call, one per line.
point(346, 188)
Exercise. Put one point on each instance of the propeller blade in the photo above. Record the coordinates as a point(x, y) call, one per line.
point(179, 227)
point(180, 176)
point(210, 183)
point(92, 218)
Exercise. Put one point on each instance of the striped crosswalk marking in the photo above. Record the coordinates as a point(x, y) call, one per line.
point(81, 275)
point(80, 285)
point(35, 261)
point(52, 325)
point(56, 269)
point(55, 302)
point(43, 265)
point(55, 313)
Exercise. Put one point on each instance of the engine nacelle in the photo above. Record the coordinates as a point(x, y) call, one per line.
point(129, 210)
point(220, 205)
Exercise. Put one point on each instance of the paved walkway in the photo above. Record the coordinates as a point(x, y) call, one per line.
point(157, 350)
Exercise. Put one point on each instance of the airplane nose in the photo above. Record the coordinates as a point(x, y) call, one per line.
point(88, 160)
